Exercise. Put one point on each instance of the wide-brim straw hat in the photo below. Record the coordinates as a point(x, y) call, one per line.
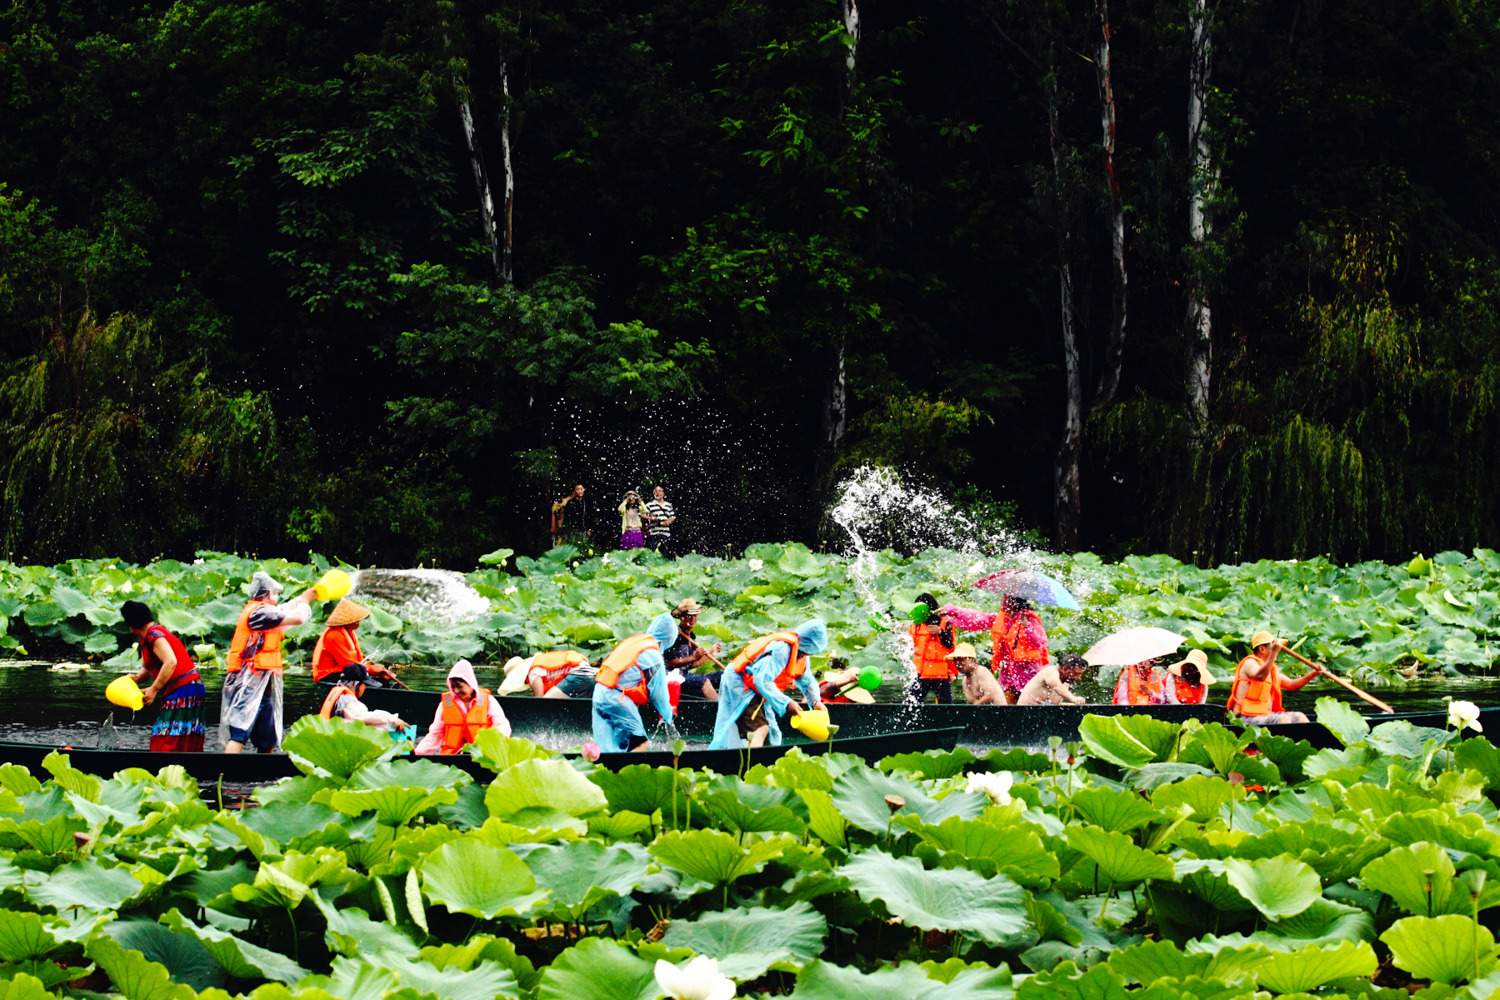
point(962, 650)
point(855, 694)
point(1197, 658)
point(346, 612)
point(686, 607)
point(1261, 638)
point(517, 674)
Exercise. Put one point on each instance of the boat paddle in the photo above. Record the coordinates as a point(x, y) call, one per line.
point(705, 651)
point(1339, 680)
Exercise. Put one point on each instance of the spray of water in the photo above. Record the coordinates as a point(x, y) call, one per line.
point(423, 596)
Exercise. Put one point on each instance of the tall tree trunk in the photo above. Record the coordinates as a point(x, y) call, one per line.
point(1114, 351)
point(507, 254)
point(1203, 179)
point(1067, 495)
point(836, 402)
point(476, 157)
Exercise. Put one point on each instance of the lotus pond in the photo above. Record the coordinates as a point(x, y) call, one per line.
point(1147, 860)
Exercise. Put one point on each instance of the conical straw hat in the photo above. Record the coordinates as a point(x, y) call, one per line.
point(346, 612)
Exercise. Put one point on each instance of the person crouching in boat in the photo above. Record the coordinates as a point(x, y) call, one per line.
point(560, 673)
point(252, 705)
point(338, 646)
point(755, 685)
point(1255, 695)
point(686, 654)
point(633, 674)
point(343, 702)
point(1188, 680)
point(1050, 686)
point(466, 708)
point(165, 663)
point(980, 686)
point(1141, 684)
point(932, 641)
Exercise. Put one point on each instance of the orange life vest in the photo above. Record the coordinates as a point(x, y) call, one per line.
point(1188, 694)
point(339, 690)
point(622, 659)
point(262, 650)
point(460, 727)
point(1250, 697)
point(1132, 689)
point(795, 665)
point(557, 665)
point(337, 646)
point(930, 654)
point(1005, 634)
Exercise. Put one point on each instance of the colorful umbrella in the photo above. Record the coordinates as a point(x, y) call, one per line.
point(1133, 645)
point(1031, 585)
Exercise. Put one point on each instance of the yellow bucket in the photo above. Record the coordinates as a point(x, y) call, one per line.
point(124, 692)
point(333, 585)
point(814, 725)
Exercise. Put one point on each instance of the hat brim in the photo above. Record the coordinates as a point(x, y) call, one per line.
point(1204, 674)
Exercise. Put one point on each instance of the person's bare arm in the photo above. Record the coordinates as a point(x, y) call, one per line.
point(168, 659)
point(1260, 669)
point(1060, 687)
point(1290, 685)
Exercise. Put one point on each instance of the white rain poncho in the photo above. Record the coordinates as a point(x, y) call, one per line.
point(616, 717)
point(463, 670)
point(243, 691)
point(735, 696)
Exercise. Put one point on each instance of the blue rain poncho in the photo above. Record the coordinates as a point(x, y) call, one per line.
point(735, 696)
point(616, 717)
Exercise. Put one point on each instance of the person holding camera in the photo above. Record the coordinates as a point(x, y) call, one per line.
point(632, 521)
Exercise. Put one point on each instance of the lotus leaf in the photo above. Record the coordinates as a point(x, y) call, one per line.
point(1477, 753)
point(185, 959)
point(749, 941)
point(285, 883)
point(909, 981)
point(715, 857)
point(85, 786)
point(352, 932)
point(860, 795)
point(1342, 720)
point(486, 981)
point(393, 806)
point(133, 974)
point(637, 788)
point(619, 826)
point(18, 781)
point(1278, 887)
point(1015, 849)
point(287, 822)
point(1335, 853)
point(1442, 949)
point(728, 809)
point(238, 958)
point(536, 793)
point(1315, 966)
point(470, 876)
point(24, 987)
point(1119, 860)
point(1462, 832)
point(930, 763)
point(1150, 961)
point(332, 747)
point(1114, 810)
point(1420, 879)
point(945, 900)
point(581, 874)
point(25, 936)
point(597, 969)
point(85, 884)
point(1108, 738)
point(823, 817)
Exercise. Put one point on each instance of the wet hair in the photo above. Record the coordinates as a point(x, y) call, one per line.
point(1072, 661)
point(928, 600)
point(136, 614)
point(1013, 603)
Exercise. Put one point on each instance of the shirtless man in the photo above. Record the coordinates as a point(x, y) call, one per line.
point(980, 686)
point(1050, 685)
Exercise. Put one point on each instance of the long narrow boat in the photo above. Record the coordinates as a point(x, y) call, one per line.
point(258, 768)
point(1321, 738)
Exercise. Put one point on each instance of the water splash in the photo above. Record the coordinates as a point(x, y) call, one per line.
point(421, 596)
point(108, 738)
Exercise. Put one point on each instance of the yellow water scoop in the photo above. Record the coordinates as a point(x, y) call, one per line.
point(814, 725)
point(124, 691)
point(333, 585)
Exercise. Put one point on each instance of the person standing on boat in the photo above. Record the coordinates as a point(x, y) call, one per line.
point(1188, 679)
point(1141, 684)
point(980, 686)
point(251, 711)
point(632, 521)
point(165, 663)
point(1051, 685)
point(932, 641)
point(338, 646)
point(1018, 642)
point(571, 526)
point(1256, 693)
point(660, 515)
point(686, 654)
point(466, 708)
point(343, 702)
point(633, 674)
point(755, 685)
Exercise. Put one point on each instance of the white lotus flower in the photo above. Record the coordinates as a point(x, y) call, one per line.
point(996, 785)
point(1464, 715)
point(508, 591)
point(756, 564)
point(699, 979)
point(605, 560)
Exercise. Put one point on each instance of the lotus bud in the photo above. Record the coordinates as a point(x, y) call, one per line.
point(591, 750)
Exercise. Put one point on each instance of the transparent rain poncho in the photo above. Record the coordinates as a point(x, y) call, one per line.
point(616, 718)
point(735, 695)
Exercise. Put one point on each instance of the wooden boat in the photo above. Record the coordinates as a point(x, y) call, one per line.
point(1320, 737)
point(260, 768)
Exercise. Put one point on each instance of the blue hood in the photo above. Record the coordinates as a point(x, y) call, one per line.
point(663, 629)
point(812, 637)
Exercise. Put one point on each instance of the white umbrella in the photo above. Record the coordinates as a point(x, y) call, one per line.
point(1133, 646)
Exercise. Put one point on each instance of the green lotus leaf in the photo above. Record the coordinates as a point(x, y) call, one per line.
point(133, 975)
point(1479, 754)
point(1119, 860)
point(497, 557)
point(1278, 887)
point(1109, 738)
point(798, 561)
point(332, 747)
point(1314, 966)
point(1442, 949)
point(499, 752)
point(185, 959)
point(1326, 922)
point(87, 885)
point(581, 874)
point(1402, 739)
point(909, 981)
point(184, 623)
point(1342, 720)
point(729, 810)
point(860, 795)
point(930, 763)
point(238, 958)
point(637, 788)
point(24, 987)
point(1462, 832)
point(1419, 878)
point(622, 825)
point(392, 806)
point(536, 793)
point(351, 932)
point(1015, 849)
point(945, 900)
point(470, 876)
point(18, 781)
point(1204, 795)
point(823, 817)
point(1114, 810)
point(289, 822)
point(749, 941)
point(485, 981)
point(1101, 982)
point(598, 969)
point(417, 773)
point(26, 936)
point(283, 884)
point(1149, 961)
point(715, 857)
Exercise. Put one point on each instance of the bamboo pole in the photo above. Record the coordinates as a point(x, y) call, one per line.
point(1339, 680)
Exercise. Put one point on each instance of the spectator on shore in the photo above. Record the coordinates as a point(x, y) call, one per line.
point(632, 521)
point(660, 516)
point(570, 521)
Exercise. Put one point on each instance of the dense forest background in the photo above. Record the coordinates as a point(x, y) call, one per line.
point(382, 278)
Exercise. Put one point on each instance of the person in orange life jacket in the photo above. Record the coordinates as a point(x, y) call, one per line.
point(932, 641)
point(251, 711)
point(343, 702)
point(561, 673)
point(685, 654)
point(1255, 694)
point(979, 685)
point(1050, 686)
point(165, 663)
point(338, 646)
point(1188, 679)
point(631, 675)
point(466, 708)
point(1017, 639)
point(754, 689)
point(1141, 684)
